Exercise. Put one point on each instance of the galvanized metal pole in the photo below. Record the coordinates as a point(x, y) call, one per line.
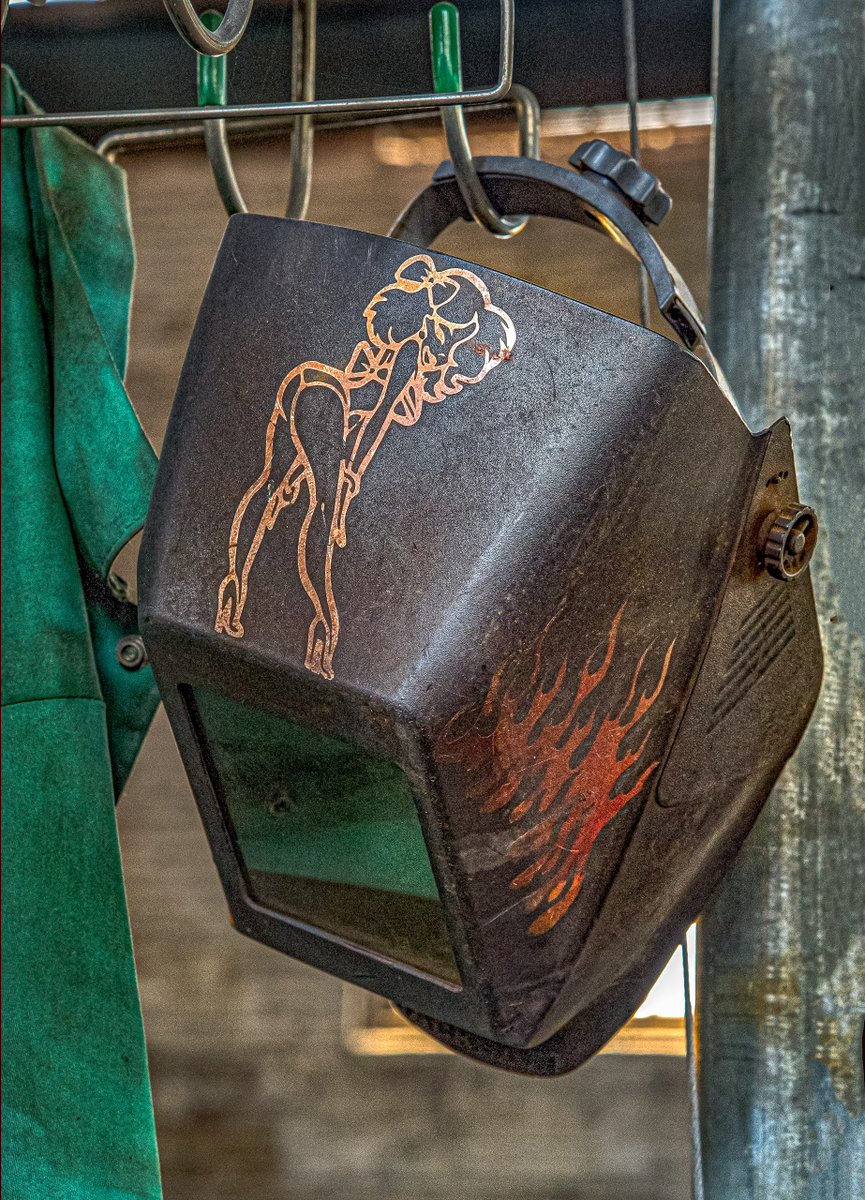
point(782, 978)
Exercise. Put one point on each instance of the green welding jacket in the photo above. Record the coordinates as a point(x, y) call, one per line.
point(77, 475)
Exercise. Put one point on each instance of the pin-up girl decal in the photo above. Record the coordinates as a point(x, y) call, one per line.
point(429, 334)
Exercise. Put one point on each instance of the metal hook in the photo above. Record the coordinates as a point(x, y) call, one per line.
point(447, 77)
point(303, 39)
point(213, 88)
point(204, 38)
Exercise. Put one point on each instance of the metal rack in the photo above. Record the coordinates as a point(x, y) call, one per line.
point(213, 36)
point(179, 11)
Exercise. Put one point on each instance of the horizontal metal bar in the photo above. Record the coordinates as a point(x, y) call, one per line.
point(145, 138)
point(555, 122)
point(372, 104)
point(320, 108)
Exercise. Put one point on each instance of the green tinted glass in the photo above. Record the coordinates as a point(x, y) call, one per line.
point(328, 834)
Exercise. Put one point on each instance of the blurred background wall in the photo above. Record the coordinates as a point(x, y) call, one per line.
point(256, 1095)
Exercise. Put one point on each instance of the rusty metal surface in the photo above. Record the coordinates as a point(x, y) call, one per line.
point(782, 982)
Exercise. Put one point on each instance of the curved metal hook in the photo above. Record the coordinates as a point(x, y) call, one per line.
point(447, 76)
point(303, 39)
point(528, 112)
point(212, 89)
point(472, 189)
point(205, 40)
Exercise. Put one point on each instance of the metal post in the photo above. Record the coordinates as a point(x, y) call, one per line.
point(782, 973)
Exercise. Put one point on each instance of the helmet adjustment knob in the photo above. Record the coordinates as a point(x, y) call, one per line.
point(789, 541)
point(623, 174)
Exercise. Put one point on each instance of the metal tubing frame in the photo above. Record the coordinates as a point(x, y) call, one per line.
point(118, 141)
point(316, 108)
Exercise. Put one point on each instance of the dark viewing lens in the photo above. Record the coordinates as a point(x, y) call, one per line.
point(328, 834)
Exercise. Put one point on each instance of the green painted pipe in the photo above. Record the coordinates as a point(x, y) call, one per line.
point(444, 31)
point(212, 75)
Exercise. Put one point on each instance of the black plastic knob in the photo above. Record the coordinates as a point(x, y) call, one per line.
point(790, 541)
point(617, 170)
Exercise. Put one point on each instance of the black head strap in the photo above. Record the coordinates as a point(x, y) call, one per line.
point(528, 187)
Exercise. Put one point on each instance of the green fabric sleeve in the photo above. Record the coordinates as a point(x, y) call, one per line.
point(105, 465)
point(76, 1095)
point(77, 474)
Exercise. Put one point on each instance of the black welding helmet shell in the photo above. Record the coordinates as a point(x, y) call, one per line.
point(480, 617)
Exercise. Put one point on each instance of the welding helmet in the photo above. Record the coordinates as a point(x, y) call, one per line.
point(482, 620)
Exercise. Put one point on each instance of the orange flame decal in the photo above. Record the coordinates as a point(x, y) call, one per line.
point(524, 766)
